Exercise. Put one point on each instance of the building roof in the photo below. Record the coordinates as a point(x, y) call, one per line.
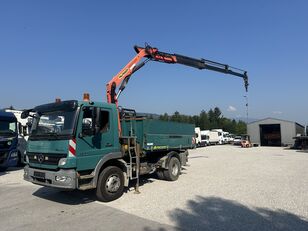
point(270, 118)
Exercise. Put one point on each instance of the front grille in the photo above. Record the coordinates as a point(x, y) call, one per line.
point(45, 158)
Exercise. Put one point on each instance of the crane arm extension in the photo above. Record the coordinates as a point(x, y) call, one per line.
point(197, 63)
point(120, 80)
point(213, 66)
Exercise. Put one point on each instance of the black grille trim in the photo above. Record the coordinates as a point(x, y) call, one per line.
point(52, 158)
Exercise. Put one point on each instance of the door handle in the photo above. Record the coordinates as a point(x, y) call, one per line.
point(108, 145)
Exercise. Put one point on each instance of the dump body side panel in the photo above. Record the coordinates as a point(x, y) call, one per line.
point(157, 135)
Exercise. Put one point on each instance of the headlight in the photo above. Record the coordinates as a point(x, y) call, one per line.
point(9, 143)
point(62, 161)
point(63, 178)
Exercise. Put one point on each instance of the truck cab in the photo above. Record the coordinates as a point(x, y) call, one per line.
point(23, 128)
point(8, 140)
point(205, 139)
point(69, 137)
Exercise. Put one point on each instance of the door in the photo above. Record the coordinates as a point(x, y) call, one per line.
point(270, 134)
point(91, 146)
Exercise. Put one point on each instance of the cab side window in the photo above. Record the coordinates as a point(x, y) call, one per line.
point(104, 121)
point(87, 123)
point(87, 120)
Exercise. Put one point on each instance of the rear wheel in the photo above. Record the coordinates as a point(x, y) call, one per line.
point(110, 184)
point(174, 169)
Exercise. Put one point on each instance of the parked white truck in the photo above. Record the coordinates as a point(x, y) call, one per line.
point(210, 137)
point(226, 137)
point(220, 135)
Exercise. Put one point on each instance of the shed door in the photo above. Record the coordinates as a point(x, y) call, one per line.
point(270, 135)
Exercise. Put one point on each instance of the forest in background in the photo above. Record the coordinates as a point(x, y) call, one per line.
point(208, 120)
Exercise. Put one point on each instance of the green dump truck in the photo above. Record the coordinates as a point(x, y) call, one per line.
point(76, 145)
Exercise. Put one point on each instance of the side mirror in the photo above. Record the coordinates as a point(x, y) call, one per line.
point(25, 114)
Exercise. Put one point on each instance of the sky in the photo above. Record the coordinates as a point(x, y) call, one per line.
point(51, 49)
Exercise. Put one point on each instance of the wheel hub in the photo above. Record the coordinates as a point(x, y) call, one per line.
point(175, 169)
point(113, 183)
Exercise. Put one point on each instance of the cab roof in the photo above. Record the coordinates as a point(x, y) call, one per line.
point(7, 116)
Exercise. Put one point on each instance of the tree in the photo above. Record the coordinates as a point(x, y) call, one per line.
point(208, 120)
point(164, 117)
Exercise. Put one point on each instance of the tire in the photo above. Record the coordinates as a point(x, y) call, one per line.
point(3, 169)
point(110, 184)
point(174, 169)
point(160, 174)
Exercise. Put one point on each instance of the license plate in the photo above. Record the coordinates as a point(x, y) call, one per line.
point(40, 175)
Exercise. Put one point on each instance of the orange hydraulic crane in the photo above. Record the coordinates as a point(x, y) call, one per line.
point(153, 54)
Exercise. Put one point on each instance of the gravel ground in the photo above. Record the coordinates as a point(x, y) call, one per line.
point(223, 188)
point(227, 182)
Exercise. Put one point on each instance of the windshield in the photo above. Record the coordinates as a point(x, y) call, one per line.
point(8, 127)
point(53, 124)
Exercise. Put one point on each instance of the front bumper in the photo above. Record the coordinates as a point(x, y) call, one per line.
point(48, 178)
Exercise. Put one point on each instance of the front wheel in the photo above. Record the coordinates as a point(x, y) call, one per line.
point(110, 184)
point(3, 169)
point(174, 169)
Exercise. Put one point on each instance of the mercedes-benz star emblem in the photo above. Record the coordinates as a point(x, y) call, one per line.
point(40, 158)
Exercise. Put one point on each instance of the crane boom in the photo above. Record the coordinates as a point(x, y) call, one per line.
point(121, 79)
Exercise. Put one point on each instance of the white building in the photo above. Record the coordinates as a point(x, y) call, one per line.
point(274, 132)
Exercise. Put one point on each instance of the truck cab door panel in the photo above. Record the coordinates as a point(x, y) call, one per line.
point(92, 146)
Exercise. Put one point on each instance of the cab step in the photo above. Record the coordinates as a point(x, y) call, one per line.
point(86, 187)
point(83, 177)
